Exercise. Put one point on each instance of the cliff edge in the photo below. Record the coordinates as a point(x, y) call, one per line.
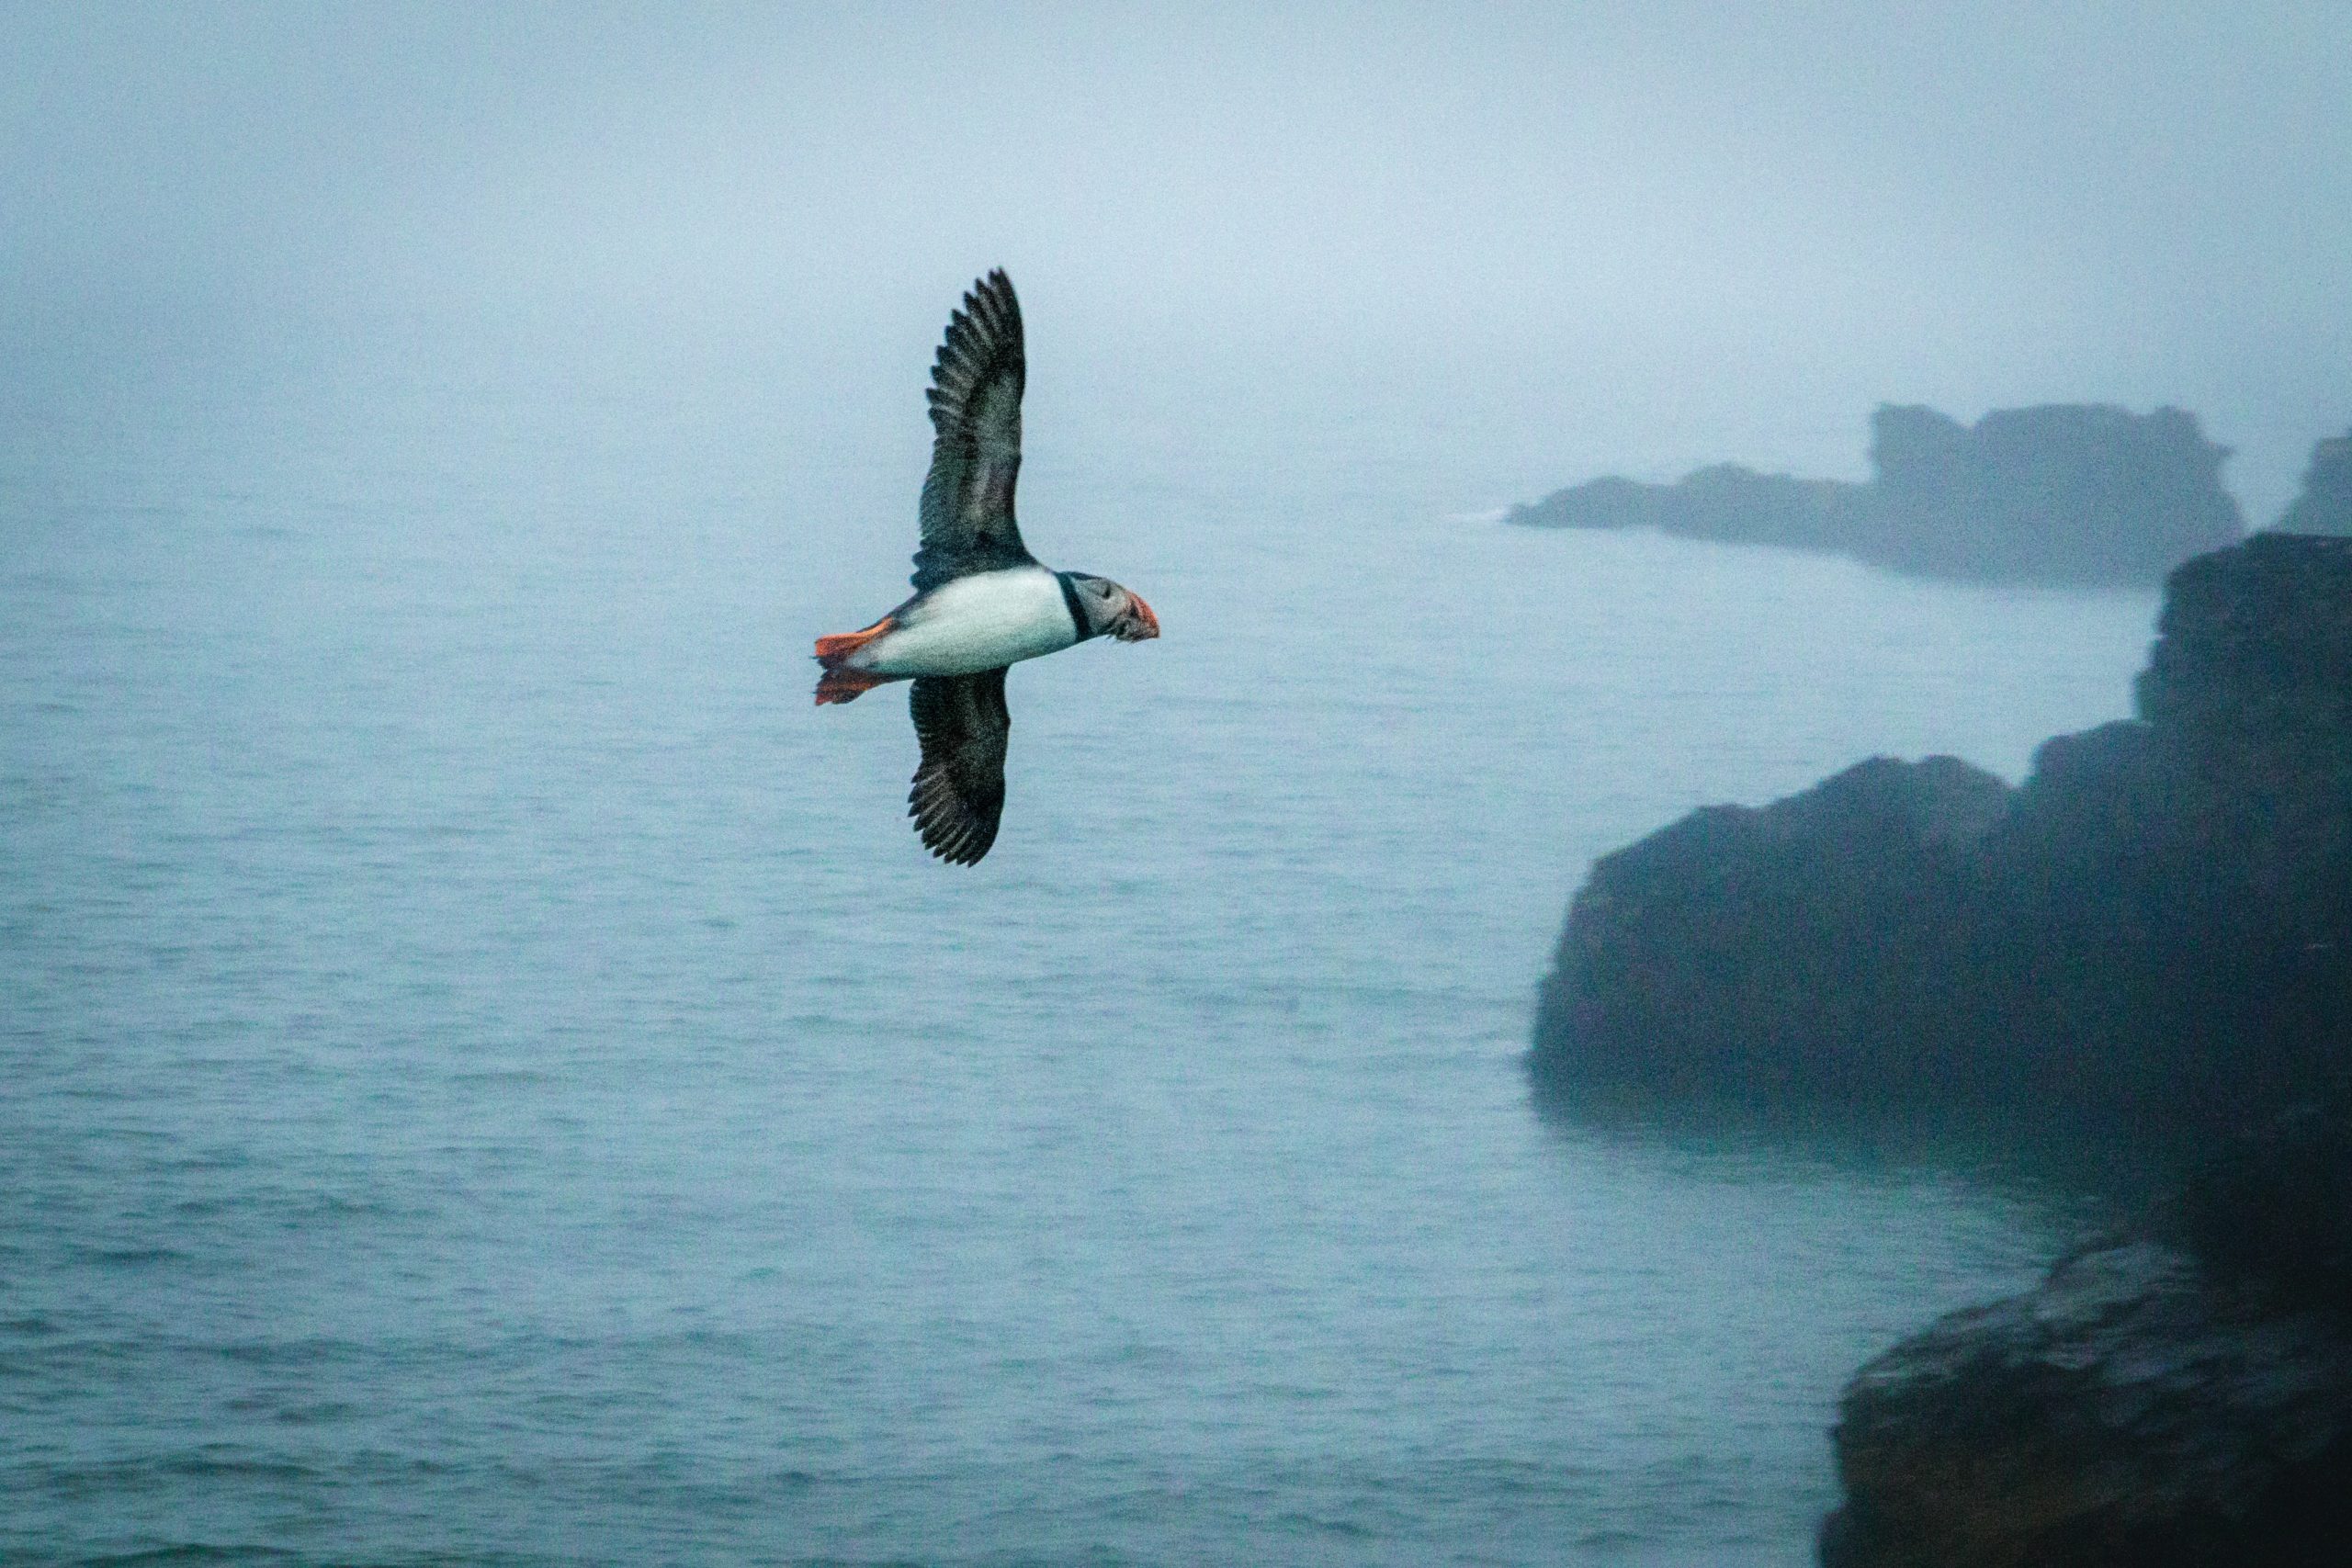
point(2153, 935)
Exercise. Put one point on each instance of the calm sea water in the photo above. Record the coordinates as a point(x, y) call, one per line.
point(490, 1078)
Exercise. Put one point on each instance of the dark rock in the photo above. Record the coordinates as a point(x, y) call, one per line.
point(1769, 953)
point(2253, 662)
point(2132, 1410)
point(2067, 493)
point(2325, 505)
point(2152, 935)
point(2166, 1396)
point(2274, 1207)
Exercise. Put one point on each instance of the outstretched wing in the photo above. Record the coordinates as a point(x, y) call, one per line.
point(959, 792)
point(976, 454)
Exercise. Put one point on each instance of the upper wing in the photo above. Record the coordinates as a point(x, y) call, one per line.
point(959, 793)
point(975, 457)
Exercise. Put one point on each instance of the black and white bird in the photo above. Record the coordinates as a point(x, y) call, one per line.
point(982, 603)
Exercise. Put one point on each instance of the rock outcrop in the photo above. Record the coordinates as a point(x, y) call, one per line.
point(2068, 494)
point(1766, 955)
point(2153, 933)
point(2177, 1393)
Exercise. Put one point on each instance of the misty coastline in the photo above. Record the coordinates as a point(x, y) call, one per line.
point(488, 1079)
point(2146, 949)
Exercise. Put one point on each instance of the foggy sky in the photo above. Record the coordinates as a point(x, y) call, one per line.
point(1693, 209)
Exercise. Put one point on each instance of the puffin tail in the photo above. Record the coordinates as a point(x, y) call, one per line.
point(840, 683)
point(847, 686)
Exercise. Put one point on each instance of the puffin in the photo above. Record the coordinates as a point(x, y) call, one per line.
point(982, 603)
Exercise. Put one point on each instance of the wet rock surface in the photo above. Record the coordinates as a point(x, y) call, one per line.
point(2167, 1396)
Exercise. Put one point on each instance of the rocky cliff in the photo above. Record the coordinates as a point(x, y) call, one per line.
point(2176, 1393)
point(2153, 935)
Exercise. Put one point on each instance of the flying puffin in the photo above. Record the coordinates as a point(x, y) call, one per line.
point(983, 601)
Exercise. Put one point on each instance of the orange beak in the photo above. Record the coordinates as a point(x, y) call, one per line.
point(1143, 613)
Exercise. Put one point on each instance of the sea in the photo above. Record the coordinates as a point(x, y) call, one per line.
point(488, 1076)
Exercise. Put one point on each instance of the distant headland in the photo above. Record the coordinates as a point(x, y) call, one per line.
point(2067, 495)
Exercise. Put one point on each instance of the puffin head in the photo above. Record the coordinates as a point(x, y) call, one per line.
point(1112, 611)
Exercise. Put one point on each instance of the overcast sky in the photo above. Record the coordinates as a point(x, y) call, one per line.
point(1824, 205)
